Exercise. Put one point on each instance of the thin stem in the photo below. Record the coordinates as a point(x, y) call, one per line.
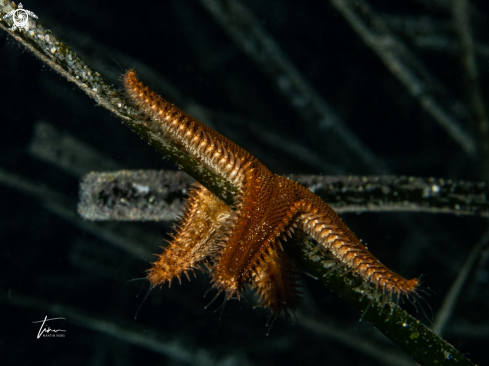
point(362, 344)
point(461, 17)
point(417, 340)
point(245, 29)
point(450, 301)
point(407, 68)
point(61, 58)
point(123, 238)
point(137, 195)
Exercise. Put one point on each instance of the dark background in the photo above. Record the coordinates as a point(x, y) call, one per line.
point(179, 40)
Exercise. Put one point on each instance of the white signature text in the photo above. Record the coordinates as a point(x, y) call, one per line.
point(47, 330)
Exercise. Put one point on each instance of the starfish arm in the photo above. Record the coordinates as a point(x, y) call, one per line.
point(216, 152)
point(275, 280)
point(322, 223)
point(197, 237)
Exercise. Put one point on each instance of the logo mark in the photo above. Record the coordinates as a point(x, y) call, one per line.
point(46, 331)
point(20, 17)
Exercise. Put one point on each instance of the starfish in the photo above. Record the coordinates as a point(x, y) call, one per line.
point(242, 244)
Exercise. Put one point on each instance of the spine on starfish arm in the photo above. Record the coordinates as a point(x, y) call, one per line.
point(190, 135)
point(322, 223)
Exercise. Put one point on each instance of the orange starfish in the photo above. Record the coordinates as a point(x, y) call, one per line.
point(242, 244)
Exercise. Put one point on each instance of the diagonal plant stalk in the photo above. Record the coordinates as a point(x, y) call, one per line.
point(407, 332)
point(62, 59)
